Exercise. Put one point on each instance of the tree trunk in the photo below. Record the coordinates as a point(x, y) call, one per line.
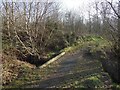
point(119, 40)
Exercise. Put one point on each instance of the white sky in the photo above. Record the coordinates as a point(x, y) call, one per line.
point(80, 6)
point(76, 5)
point(70, 4)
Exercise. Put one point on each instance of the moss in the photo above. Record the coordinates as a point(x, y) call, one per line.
point(50, 54)
point(116, 86)
point(92, 82)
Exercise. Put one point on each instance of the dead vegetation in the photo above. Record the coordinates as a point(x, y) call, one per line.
point(13, 68)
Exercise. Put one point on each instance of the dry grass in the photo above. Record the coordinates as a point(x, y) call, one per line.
point(12, 68)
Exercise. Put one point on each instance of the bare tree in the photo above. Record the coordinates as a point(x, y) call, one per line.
point(117, 13)
point(26, 25)
point(117, 41)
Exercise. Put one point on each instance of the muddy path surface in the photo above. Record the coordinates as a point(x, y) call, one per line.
point(72, 67)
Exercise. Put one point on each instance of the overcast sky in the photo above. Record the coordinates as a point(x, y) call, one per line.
point(74, 5)
point(78, 6)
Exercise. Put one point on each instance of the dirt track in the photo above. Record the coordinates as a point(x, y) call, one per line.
point(72, 67)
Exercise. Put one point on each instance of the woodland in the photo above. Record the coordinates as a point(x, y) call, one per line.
point(32, 33)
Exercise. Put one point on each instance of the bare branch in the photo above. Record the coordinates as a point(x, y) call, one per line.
point(114, 9)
